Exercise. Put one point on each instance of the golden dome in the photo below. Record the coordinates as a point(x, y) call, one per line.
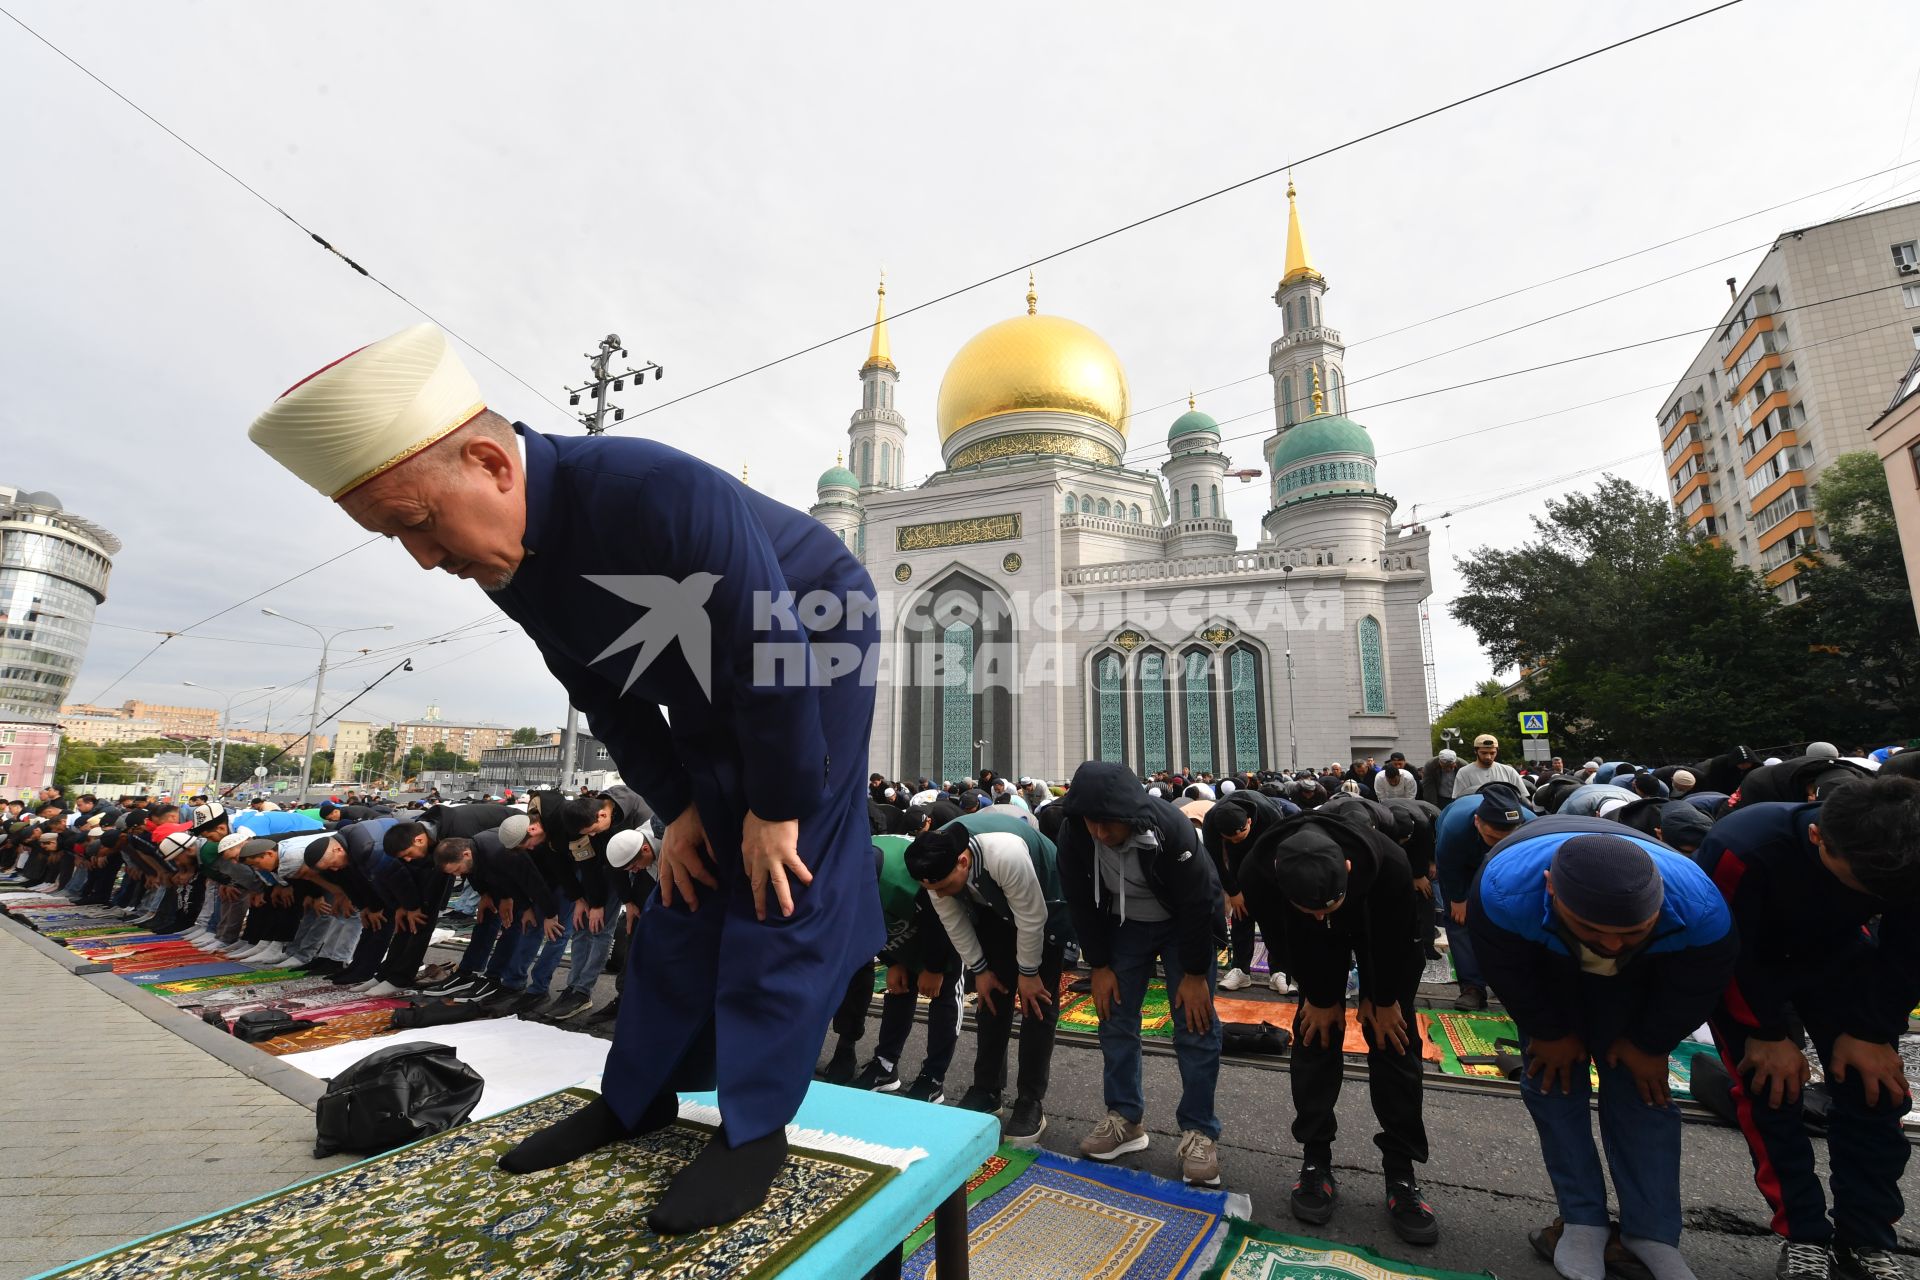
point(1033, 362)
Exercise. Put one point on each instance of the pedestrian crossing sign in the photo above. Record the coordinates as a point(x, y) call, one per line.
point(1533, 722)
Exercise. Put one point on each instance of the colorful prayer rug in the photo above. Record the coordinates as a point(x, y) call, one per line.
point(1250, 1252)
point(1078, 1014)
point(1001, 1168)
point(441, 1208)
point(339, 1029)
point(1064, 1219)
point(217, 982)
point(1473, 1034)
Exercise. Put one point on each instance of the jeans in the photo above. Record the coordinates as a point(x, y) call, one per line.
point(1459, 942)
point(1137, 945)
point(591, 948)
point(1642, 1145)
point(465, 902)
point(547, 959)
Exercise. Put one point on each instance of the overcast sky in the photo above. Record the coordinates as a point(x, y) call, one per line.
point(721, 183)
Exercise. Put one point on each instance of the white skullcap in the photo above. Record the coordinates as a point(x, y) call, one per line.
point(234, 841)
point(1825, 750)
point(178, 842)
point(624, 847)
point(1610, 804)
point(1226, 788)
point(370, 411)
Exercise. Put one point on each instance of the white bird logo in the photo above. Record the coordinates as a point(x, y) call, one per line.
point(676, 609)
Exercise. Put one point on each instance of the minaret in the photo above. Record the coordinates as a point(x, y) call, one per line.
point(838, 505)
point(877, 436)
point(1307, 350)
point(1196, 473)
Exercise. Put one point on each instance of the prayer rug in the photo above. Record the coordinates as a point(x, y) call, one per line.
point(1065, 1219)
point(1002, 1167)
point(1078, 1014)
point(339, 1029)
point(1250, 1252)
point(441, 1208)
point(1473, 1034)
point(208, 969)
point(187, 985)
point(80, 932)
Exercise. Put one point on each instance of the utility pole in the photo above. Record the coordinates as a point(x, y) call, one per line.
point(595, 421)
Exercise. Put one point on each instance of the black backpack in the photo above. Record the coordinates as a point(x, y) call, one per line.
point(399, 1095)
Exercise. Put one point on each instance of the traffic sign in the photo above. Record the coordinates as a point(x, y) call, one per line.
point(259, 771)
point(1533, 722)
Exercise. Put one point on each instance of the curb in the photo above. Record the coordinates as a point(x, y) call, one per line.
point(290, 1082)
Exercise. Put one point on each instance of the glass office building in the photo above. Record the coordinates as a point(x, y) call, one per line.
point(53, 574)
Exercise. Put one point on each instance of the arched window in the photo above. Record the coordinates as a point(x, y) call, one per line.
point(1246, 694)
point(1333, 390)
point(1109, 717)
point(866, 462)
point(1176, 501)
point(1086, 503)
point(1073, 504)
point(1103, 508)
point(1373, 668)
point(1286, 401)
point(1193, 502)
point(1213, 494)
point(1197, 703)
point(886, 463)
point(1133, 513)
point(956, 721)
point(1153, 719)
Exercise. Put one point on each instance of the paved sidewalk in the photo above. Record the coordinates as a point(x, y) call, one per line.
point(112, 1127)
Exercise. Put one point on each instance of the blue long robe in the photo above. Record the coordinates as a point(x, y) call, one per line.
point(715, 998)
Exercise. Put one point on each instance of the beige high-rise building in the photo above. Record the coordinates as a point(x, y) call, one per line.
point(466, 740)
point(351, 740)
point(1794, 375)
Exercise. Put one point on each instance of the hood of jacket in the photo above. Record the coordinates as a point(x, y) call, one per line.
point(1107, 792)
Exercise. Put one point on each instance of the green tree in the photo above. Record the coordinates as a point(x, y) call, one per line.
point(1860, 606)
point(385, 744)
point(1643, 641)
point(323, 766)
point(525, 736)
point(1485, 710)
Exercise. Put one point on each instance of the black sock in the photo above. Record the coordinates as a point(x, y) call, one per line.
point(588, 1129)
point(722, 1183)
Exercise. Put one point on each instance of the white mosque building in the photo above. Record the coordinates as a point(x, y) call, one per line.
point(1043, 602)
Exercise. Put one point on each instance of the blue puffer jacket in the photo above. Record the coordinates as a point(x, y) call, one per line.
point(1659, 996)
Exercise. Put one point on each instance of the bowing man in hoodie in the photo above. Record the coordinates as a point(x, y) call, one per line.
point(1332, 892)
point(1144, 893)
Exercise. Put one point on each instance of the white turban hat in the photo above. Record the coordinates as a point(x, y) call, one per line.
point(370, 411)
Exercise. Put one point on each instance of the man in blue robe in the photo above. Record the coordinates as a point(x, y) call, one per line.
point(721, 645)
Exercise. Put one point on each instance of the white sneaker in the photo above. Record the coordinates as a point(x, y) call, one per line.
point(1235, 980)
point(1280, 983)
point(380, 990)
point(269, 958)
point(364, 987)
point(240, 950)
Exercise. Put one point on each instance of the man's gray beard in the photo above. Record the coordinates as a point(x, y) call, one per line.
point(494, 588)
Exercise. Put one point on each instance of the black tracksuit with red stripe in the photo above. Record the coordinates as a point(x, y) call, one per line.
point(1807, 952)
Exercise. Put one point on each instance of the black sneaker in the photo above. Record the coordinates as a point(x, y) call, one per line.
point(468, 984)
point(500, 999)
point(1028, 1121)
point(1314, 1194)
point(985, 1101)
point(481, 990)
point(877, 1079)
point(1805, 1260)
point(607, 1012)
point(522, 1002)
point(1411, 1215)
point(843, 1066)
point(568, 1004)
point(925, 1089)
point(1471, 998)
point(1868, 1264)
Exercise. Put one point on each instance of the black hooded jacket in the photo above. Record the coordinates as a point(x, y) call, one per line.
point(1180, 874)
point(1263, 811)
point(1377, 923)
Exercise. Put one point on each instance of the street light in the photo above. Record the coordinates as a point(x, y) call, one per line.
point(319, 685)
point(220, 770)
point(980, 756)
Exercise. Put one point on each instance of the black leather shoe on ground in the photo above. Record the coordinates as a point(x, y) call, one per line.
point(978, 1099)
point(1028, 1121)
point(1314, 1195)
point(925, 1089)
point(1471, 997)
point(522, 1003)
point(607, 1012)
point(1412, 1216)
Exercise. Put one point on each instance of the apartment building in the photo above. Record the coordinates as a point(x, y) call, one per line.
point(1794, 375)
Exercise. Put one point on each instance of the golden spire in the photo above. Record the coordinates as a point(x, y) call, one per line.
point(838, 459)
point(1190, 404)
point(1319, 398)
point(880, 354)
point(743, 473)
point(1033, 298)
point(1298, 265)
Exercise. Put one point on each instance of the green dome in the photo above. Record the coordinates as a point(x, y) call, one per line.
point(1191, 421)
point(838, 477)
point(1317, 437)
